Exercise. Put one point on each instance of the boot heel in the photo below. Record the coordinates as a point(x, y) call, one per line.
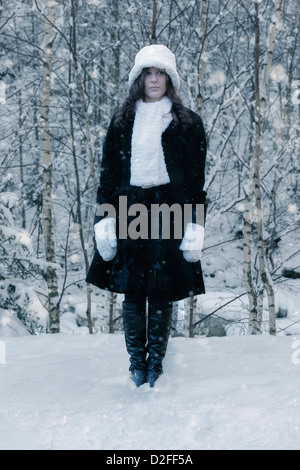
point(152, 377)
point(138, 377)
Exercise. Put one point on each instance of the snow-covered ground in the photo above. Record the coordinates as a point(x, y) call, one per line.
point(73, 392)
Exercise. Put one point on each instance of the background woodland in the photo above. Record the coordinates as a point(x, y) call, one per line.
point(64, 68)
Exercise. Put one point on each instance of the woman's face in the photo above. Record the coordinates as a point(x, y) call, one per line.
point(155, 84)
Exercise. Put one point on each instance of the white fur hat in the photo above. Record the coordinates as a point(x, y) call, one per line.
point(155, 56)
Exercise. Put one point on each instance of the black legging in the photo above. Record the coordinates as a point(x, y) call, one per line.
point(140, 299)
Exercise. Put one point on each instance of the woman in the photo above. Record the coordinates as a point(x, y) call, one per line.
point(153, 159)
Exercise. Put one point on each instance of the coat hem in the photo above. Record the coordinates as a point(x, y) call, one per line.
point(169, 298)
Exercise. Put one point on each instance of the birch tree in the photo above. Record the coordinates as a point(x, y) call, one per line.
point(255, 193)
point(73, 41)
point(48, 221)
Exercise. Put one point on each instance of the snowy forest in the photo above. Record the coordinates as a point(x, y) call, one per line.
point(64, 68)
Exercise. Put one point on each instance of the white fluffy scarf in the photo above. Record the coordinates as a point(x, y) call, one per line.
point(148, 167)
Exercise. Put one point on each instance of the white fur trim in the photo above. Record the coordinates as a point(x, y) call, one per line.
point(158, 56)
point(192, 242)
point(148, 167)
point(192, 256)
point(106, 239)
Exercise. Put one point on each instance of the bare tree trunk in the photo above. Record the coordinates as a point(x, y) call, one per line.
point(23, 213)
point(21, 159)
point(85, 107)
point(77, 178)
point(247, 263)
point(260, 103)
point(192, 304)
point(115, 38)
point(154, 20)
point(260, 308)
point(174, 316)
point(112, 309)
point(200, 103)
point(186, 314)
point(51, 277)
point(203, 21)
point(283, 138)
point(265, 274)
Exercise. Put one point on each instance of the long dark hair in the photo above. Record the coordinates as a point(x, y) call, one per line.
point(126, 112)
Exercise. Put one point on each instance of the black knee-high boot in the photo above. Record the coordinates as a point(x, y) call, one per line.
point(159, 324)
point(134, 321)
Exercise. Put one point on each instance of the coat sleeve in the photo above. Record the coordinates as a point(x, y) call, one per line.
point(110, 171)
point(195, 166)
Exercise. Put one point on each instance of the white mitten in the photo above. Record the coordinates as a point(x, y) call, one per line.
point(106, 239)
point(192, 242)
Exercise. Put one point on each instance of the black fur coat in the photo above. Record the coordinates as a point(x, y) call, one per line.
point(154, 267)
